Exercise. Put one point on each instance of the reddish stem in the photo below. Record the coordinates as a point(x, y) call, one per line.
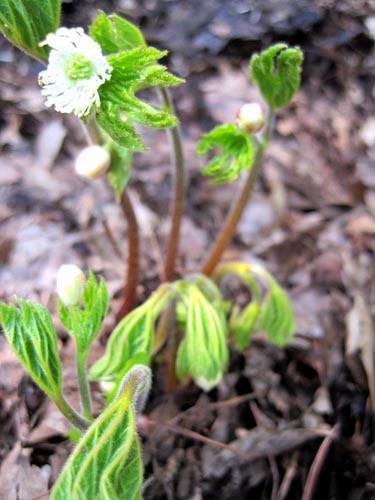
point(129, 295)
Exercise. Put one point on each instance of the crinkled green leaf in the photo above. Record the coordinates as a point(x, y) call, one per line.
point(133, 70)
point(119, 127)
point(27, 22)
point(276, 316)
point(238, 150)
point(244, 324)
point(31, 334)
point(277, 73)
point(119, 170)
point(84, 324)
point(115, 34)
point(203, 352)
point(106, 463)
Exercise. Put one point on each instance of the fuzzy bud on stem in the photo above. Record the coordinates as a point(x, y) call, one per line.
point(250, 117)
point(70, 284)
point(92, 162)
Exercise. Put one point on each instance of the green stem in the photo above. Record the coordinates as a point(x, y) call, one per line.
point(133, 256)
point(179, 191)
point(75, 418)
point(84, 387)
point(230, 224)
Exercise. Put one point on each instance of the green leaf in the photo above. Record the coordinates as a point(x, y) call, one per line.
point(203, 352)
point(276, 316)
point(238, 149)
point(133, 70)
point(272, 313)
point(31, 334)
point(132, 337)
point(106, 463)
point(277, 73)
point(27, 22)
point(243, 325)
point(84, 324)
point(119, 170)
point(115, 34)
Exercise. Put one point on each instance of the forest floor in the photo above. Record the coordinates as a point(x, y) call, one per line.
point(284, 424)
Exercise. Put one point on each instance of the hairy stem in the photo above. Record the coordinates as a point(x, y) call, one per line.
point(75, 418)
point(178, 196)
point(129, 295)
point(84, 387)
point(234, 216)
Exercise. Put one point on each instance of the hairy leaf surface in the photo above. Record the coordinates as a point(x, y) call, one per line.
point(106, 463)
point(31, 334)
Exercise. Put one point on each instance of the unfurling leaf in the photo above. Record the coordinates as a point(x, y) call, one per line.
point(84, 324)
point(31, 334)
point(243, 324)
point(277, 73)
point(276, 316)
point(106, 463)
point(238, 149)
point(203, 352)
point(269, 311)
point(132, 338)
point(115, 34)
point(26, 23)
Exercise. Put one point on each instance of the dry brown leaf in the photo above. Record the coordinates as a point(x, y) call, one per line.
point(360, 339)
point(21, 481)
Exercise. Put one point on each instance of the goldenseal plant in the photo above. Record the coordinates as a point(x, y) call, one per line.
point(108, 450)
point(96, 74)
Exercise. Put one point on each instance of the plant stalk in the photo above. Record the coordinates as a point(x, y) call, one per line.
point(70, 413)
point(129, 295)
point(178, 195)
point(234, 216)
point(83, 383)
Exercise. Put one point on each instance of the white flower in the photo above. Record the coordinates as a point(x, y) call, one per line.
point(70, 284)
point(92, 162)
point(76, 69)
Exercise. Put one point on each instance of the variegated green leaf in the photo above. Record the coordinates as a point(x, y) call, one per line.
point(106, 463)
point(27, 22)
point(31, 334)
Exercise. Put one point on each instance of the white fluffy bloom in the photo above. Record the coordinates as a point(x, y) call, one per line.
point(76, 69)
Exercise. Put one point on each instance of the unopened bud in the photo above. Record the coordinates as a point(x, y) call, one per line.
point(70, 284)
point(250, 117)
point(92, 162)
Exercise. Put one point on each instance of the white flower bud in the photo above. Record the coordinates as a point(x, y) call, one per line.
point(70, 284)
point(92, 162)
point(250, 117)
